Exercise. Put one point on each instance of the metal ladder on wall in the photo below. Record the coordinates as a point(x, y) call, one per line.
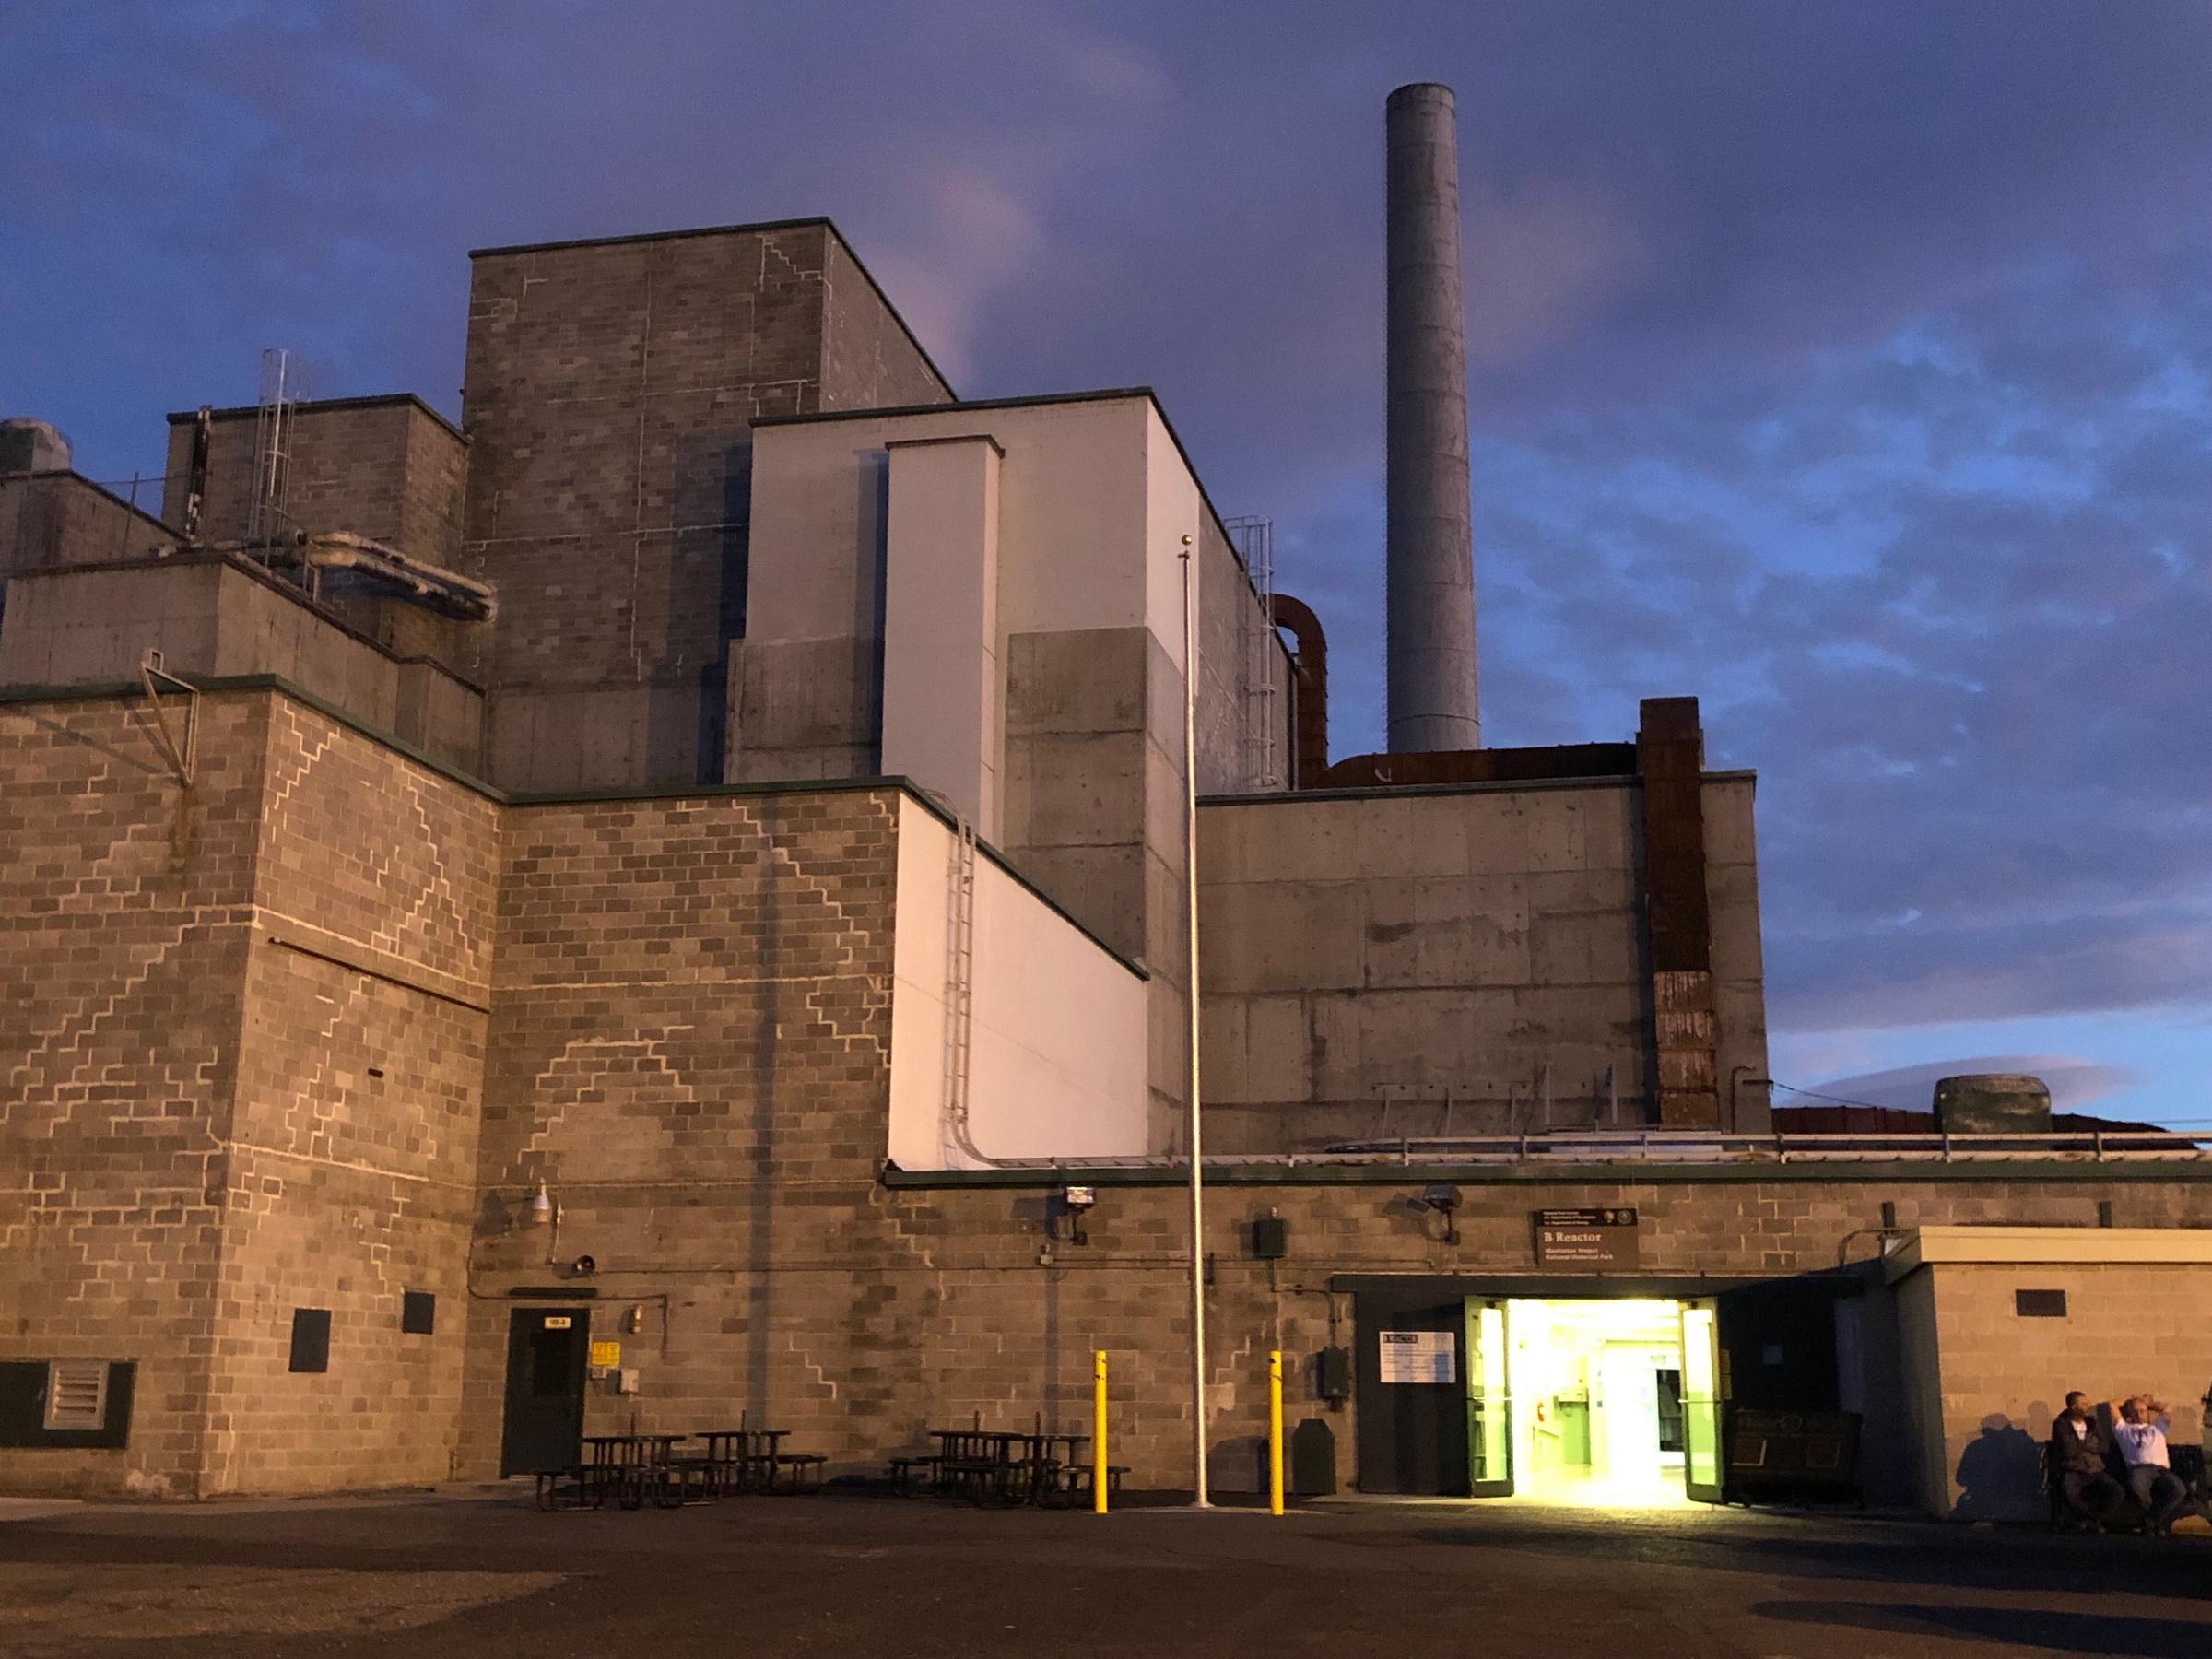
point(1254, 539)
point(960, 986)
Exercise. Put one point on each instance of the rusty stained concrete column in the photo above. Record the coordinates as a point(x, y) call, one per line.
point(1670, 751)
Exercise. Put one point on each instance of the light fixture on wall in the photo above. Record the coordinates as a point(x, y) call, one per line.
point(1074, 1200)
point(1443, 1198)
point(539, 1210)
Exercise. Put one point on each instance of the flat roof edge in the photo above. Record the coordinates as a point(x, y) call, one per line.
point(371, 400)
point(962, 406)
point(687, 234)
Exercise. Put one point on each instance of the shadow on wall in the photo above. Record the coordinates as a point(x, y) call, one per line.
point(2000, 1472)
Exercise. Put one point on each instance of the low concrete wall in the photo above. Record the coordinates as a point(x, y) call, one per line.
point(214, 616)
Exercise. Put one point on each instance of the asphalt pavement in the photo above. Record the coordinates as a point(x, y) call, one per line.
point(476, 1571)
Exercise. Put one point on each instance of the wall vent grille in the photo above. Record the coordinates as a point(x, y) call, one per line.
point(77, 1394)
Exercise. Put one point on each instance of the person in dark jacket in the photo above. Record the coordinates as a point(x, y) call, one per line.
point(2080, 1447)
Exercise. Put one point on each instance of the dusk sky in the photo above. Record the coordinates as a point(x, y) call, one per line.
point(1849, 366)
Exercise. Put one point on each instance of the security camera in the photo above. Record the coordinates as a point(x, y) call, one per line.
point(583, 1265)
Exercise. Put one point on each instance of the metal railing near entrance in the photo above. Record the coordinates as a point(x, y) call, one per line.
point(1650, 1146)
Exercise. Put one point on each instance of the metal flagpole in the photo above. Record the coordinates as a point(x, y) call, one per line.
point(1190, 870)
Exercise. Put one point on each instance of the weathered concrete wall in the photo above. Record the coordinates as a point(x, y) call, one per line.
point(61, 518)
point(218, 616)
point(611, 388)
point(1444, 961)
point(1466, 959)
point(1739, 971)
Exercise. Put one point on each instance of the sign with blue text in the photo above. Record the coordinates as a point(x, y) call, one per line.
point(1419, 1357)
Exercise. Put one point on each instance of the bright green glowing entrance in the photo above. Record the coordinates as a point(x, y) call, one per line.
point(1607, 1402)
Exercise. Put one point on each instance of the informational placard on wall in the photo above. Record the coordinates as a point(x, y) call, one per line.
point(1419, 1357)
point(607, 1353)
point(1585, 1238)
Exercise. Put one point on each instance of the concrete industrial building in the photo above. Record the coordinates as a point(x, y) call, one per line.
point(718, 812)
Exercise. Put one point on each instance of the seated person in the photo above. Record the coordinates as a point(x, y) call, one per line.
point(2079, 1446)
point(2142, 1445)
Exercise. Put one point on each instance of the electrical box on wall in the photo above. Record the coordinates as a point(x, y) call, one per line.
point(1333, 1374)
point(1270, 1238)
point(626, 1380)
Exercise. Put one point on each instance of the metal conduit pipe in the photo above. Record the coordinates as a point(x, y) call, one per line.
point(1311, 670)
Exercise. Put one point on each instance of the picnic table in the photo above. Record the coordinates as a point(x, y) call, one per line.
point(633, 1468)
point(753, 1460)
point(1002, 1466)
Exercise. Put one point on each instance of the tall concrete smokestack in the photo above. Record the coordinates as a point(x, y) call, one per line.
point(1431, 573)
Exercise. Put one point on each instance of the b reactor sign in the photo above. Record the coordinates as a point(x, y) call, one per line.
point(1586, 1238)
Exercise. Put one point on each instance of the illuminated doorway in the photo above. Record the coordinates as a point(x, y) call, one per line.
point(1607, 1402)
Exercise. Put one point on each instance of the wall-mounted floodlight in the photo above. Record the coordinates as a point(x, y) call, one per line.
point(1074, 1200)
point(1443, 1198)
point(539, 1210)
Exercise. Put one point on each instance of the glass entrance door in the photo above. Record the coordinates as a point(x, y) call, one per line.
point(1700, 1402)
point(1490, 1402)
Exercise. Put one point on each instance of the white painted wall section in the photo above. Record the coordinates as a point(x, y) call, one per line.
point(943, 682)
point(1057, 1059)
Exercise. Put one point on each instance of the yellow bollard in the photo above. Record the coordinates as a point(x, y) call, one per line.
point(1275, 1431)
point(1098, 1432)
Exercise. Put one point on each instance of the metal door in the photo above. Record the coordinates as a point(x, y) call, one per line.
point(547, 1350)
point(1702, 1400)
point(1411, 1406)
point(1490, 1402)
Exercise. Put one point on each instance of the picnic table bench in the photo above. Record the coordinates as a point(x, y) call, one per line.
point(1000, 1465)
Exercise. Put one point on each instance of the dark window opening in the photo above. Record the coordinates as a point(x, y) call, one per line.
point(2039, 1305)
point(1670, 1409)
point(417, 1312)
point(310, 1339)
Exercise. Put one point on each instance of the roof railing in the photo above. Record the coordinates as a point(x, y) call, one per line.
point(1695, 1147)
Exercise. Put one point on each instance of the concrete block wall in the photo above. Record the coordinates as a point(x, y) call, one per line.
point(1004, 1316)
point(690, 1046)
point(870, 358)
point(125, 905)
point(2000, 1379)
point(389, 468)
point(611, 388)
point(193, 1116)
point(354, 1136)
